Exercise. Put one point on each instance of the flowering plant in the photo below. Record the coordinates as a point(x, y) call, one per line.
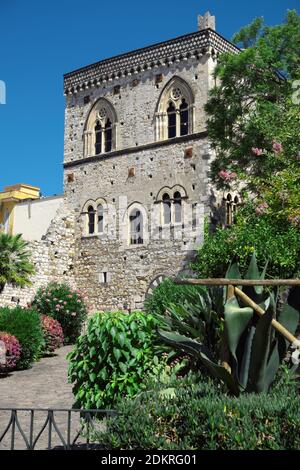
point(53, 334)
point(64, 304)
point(12, 351)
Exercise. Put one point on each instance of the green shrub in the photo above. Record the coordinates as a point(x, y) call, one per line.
point(277, 244)
point(168, 293)
point(25, 325)
point(60, 302)
point(201, 416)
point(112, 359)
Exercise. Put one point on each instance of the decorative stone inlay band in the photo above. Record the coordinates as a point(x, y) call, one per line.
point(175, 50)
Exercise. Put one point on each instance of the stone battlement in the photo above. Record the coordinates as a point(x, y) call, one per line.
point(176, 50)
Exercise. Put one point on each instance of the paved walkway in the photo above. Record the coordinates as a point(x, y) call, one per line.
point(43, 386)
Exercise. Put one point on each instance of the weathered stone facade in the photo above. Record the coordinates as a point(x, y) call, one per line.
point(135, 137)
point(142, 161)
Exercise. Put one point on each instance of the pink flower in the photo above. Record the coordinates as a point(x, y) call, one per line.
point(57, 306)
point(294, 220)
point(73, 314)
point(227, 175)
point(277, 147)
point(78, 301)
point(256, 151)
point(65, 303)
point(261, 209)
point(69, 296)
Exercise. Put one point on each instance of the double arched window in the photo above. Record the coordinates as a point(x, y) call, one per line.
point(100, 131)
point(171, 205)
point(231, 205)
point(174, 116)
point(94, 214)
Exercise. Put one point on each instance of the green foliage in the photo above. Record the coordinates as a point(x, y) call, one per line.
point(194, 311)
point(15, 266)
point(254, 120)
point(201, 416)
point(277, 243)
point(112, 359)
point(25, 325)
point(255, 349)
point(60, 302)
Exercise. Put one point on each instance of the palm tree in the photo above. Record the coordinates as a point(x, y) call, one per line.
point(15, 265)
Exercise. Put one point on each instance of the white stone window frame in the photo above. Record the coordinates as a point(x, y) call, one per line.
point(171, 191)
point(167, 97)
point(95, 204)
point(125, 226)
point(100, 111)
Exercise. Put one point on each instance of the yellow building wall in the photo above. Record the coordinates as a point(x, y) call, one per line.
point(8, 200)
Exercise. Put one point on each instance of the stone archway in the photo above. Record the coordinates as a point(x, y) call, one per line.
point(155, 283)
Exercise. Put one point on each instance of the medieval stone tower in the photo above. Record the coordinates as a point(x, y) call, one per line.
point(136, 164)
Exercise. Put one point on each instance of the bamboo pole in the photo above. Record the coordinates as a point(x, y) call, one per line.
point(239, 282)
point(281, 329)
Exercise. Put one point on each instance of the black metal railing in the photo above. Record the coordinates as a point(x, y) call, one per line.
point(29, 428)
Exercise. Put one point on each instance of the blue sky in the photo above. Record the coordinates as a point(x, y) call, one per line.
point(40, 41)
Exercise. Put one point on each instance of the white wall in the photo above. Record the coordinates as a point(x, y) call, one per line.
point(33, 218)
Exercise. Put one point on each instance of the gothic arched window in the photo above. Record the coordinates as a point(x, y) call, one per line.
point(231, 209)
point(184, 118)
point(108, 136)
point(177, 207)
point(166, 208)
point(175, 109)
point(136, 227)
point(91, 220)
point(100, 129)
point(171, 121)
point(98, 138)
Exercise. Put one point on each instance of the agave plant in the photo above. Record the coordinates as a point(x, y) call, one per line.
point(255, 349)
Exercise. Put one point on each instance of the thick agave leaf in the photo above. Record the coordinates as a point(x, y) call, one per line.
point(255, 292)
point(243, 367)
point(260, 352)
point(236, 321)
point(200, 352)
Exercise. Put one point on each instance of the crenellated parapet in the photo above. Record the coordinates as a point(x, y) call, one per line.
point(181, 49)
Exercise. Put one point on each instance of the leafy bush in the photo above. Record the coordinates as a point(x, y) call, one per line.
point(60, 302)
point(201, 416)
point(112, 359)
point(53, 334)
point(25, 324)
point(13, 351)
point(277, 244)
point(168, 293)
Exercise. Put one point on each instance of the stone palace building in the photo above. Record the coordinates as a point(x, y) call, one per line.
point(136, 174)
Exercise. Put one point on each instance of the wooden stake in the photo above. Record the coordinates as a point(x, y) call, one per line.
point(278, 326)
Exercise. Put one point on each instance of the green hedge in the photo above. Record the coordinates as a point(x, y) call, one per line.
point(25, 325)
point(202, 416)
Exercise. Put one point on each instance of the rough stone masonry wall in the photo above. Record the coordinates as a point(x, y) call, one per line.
point(131, 269)
point(53, 257)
